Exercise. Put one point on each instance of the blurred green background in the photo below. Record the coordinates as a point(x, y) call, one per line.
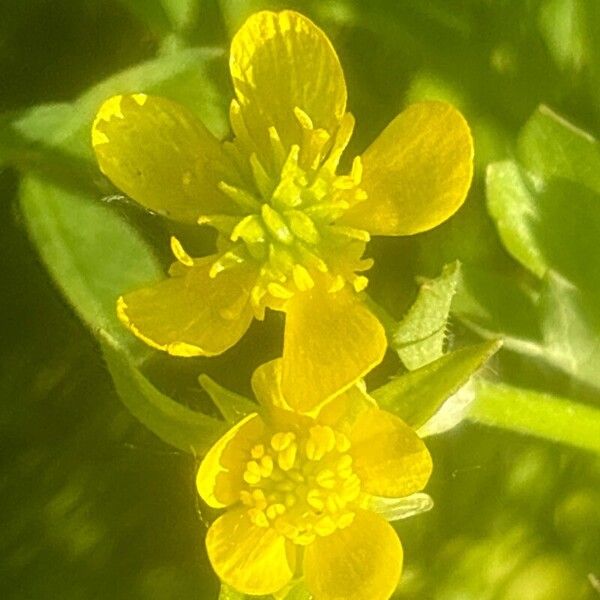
point(94, 506)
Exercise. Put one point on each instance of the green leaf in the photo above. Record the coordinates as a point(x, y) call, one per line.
point(549, 219)
point(528, 412)
point(91, 252)
point(513, 207)
point(234, 407)
point(420, 335)
point(416, 396)
point(551, 147)
point(563, 25)
point(150, 12)
point(571, 329)
point(175, 424)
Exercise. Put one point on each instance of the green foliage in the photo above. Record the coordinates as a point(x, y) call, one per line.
point(535, 413)
point(175, 424)
point(420, 335)
point(547, 210)
point(417, 395)
point(234, 407)
point(516, 511)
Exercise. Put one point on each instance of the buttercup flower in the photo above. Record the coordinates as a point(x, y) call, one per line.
point(298, 490)
point(292, 230)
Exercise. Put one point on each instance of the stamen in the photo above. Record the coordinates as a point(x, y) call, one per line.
point(180, 254)
point(241, 197)
point(261, 178)
point(276, 225)
point(303, 226)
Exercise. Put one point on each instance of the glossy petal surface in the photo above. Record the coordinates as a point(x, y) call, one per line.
point(361, 562)
point(160, 155)
point(219, 478)
point(416, 173)
point(191, 314)
point(282, 61)
point(389, 457)
point(251, 559)
point(331, 340)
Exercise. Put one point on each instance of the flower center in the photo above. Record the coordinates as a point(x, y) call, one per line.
point(304, 487)
point(289, 199)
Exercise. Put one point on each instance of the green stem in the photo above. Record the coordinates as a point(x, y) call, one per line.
point(534, 413)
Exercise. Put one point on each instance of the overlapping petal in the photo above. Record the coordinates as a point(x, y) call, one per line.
point(416, 173)
point(282, 61)
point(389, 457)
point(160, 154)
point(253, 560)
point(360, 562)
point(192, 313)
point(331, 340)
point(219, 478)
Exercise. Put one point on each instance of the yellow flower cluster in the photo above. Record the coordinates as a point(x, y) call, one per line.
point(292, 229)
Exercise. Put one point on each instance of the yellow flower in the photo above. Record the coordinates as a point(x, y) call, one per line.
point(292, 231)
point(298, 489)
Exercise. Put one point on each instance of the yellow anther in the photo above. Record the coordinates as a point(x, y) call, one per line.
point(140, 98)
point(290, 500)
point(302, 278)
point(336, 285)
point(266, 466)
point(258, 496)
point(287, 457)
point(315, 499)
point(258, 517)
point(241, 197)
point(261, 177)
point(249, 229)
point(326, 479)
point(251, 478)
point(343, 467)
point(180, 254)
point(357, 170)
point(275, 510)
point(281, 440)
point(325, 526)
point(276, 225)
point(359, 283)
point(257, 451)
point(304, 120)
point(253, 467)
point(246, 498)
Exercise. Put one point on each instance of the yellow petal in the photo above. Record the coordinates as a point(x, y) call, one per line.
point(219, 480)
point(280, 62)
point(191, 314)
point(331, 340)
point(416, 173)
point(342, 411)
point(361, 562)
point(389, 457)
point(160, 155)
point(251, 559)
point(266, 384)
